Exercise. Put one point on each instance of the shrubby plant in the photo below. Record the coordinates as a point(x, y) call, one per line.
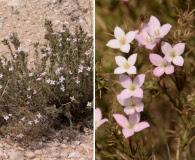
point(160, 77)
point(52, 91)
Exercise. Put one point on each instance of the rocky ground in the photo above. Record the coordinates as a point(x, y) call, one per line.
point(26, 18)
point(80, 148)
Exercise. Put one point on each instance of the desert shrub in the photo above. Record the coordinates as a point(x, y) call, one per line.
point(54, 90)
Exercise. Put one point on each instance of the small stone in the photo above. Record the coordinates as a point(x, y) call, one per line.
point(64, 153)
point(85, 146)
point(63, 145)
point(38, 152)
point(64, 141)
point(73, 146)
point(76, 143)
point(39, 145)
point(74, 155)
point(56, 154)
point(29, 154)
point(16, 155)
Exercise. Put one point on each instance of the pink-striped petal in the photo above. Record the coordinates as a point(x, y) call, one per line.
point(121, 120)
point(118, 33)
point(179, 48)
point(150, 46)
point(158, 71)
point(125, 81)
point(113, 43)
point(179, 61)
point(140, 126)
point(127, 132)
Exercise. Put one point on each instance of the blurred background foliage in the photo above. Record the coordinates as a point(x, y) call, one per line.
point(172, 131)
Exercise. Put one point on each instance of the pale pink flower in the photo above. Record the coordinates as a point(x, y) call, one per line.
point(131, 125)
point(173, 54)
point(163, 66)
point(145, 39)
point(126, 65)
point(155, 30)
point(132, 104)
point(122, 40)
point(98, 118)
point(132, 87)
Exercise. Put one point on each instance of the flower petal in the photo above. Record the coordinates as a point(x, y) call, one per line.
point(120, 99)
point(158, 71)
point(129, 110)
point(178, 60)
point(132, 59)
point(169, 69)
point(139, 80)
point(134, 118)
point(139, 107)
point(126, 93)
point(125, 48)
point(154, 23)
point(150, 46)
point(125, 81)
point(155, 59)
point(113, 43)
point(130, 36)
point(119, 70)
point(120, 60)
point(179, 48)
point(140, 126)
point(165, 29)
point(98, 114)
point(132, 70)
point(138, 93)
point(118, 33)
point(166, 48)
point(100, 123)
point(121, 120)
point(127, 132)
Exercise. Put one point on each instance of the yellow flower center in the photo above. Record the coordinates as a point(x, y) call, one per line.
point(157, 32)
point(163, 65)
point(173, 54)
point(123, 41)
point(126, 65)
point(132, 87)
point(149, 39)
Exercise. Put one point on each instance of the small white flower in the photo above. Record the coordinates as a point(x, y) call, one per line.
point(36, 121)
point(9, 115)
point(30, 74)
point(28, 89)
point(77, 81)
point(23, 119)
point(87, 53)
point(34, 92)
point(126, 65)
point(62, 88)
point(38, 79)
point(122, 40)
point(39, 115)
point(72, 98)
point(11, 68)
point(48, 80)
point(61, 79)
point(30, 122)
point(43, 74)
point(58, 70)
point(82, 61)
point(89, 104)
point(88, 68)
point(1, 75)
point(20, 135)
point(6, 117)
point(52, 82)
point(70, 72)
point(1, 87)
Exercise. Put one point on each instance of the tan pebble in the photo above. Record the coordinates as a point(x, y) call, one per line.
point(38, 152)
point(63, 145)
point(30, 154)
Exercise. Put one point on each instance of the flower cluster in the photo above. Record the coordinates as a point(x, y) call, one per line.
point(149, 35)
